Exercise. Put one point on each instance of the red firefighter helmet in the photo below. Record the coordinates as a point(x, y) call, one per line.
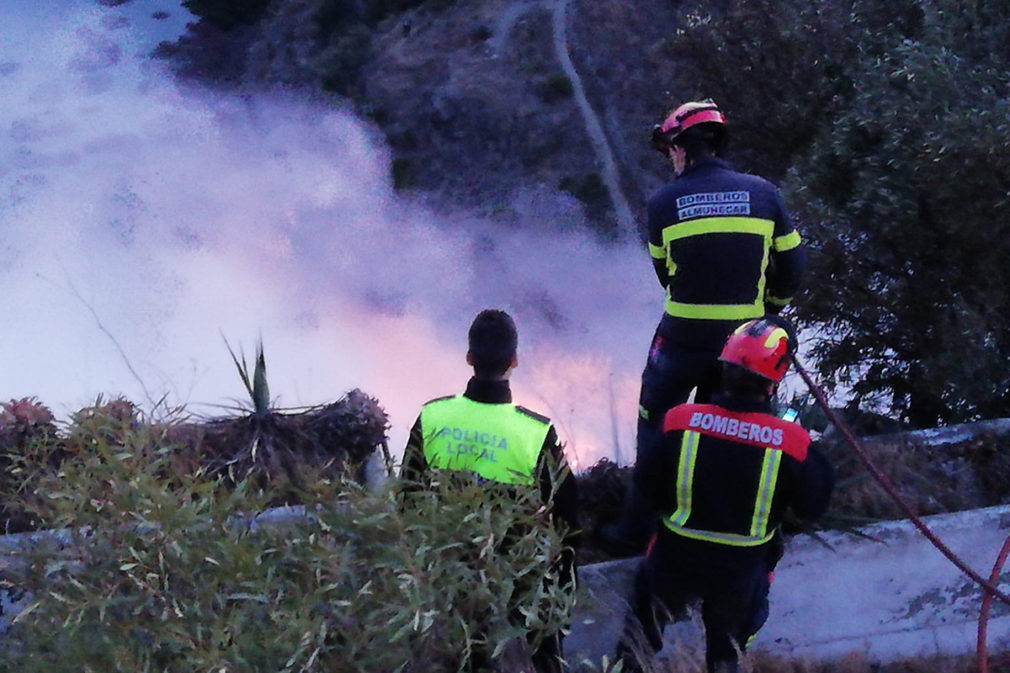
point(763, 346)
point(684, 117)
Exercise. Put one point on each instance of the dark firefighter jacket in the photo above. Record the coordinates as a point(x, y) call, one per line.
point(481, 431)
point(723, 246)
point(729, 471)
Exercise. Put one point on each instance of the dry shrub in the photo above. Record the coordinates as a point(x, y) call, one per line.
point(601, 497)
point(989, 460)
point(27, 434)
point(102, 422)
point(331, 440)
point(931, 480)
point(337, 438)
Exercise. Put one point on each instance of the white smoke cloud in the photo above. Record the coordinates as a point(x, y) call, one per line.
point(140, 221)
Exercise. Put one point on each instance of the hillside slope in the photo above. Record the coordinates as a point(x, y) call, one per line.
point(475, 98)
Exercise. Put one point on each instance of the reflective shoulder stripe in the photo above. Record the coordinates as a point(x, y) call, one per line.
point(752, 428)
point(657, 251)
point(778, 301)
point(532, 414)
point(787, 242)
point(719, 225)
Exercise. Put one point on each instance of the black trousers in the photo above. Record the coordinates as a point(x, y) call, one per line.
point(670, 374)
point(731, 583)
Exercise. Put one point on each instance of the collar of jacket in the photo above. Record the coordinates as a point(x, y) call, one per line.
point(706, 162)
point(487, 391)
point(736, 404)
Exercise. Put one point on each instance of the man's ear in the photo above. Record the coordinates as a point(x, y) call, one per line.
point(515, 361)
point(469, 358)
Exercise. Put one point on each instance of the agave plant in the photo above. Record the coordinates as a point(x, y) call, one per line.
point(256, 386)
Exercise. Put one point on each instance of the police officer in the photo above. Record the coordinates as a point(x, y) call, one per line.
point(483, 432)
point(725, 251)
point(729, 471)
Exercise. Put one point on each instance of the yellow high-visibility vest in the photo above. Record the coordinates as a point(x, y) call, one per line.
point(499, 442)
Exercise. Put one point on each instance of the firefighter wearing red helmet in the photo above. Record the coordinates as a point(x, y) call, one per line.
point(727, 472)
point(725, 251)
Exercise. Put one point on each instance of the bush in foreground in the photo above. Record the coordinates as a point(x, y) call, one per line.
point(159, 570)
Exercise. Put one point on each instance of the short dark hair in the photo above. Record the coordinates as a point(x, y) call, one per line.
point(702, 140)
point(492, 340)
point(744, 383)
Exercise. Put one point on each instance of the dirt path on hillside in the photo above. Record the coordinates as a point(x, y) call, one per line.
point(604, 154)
point(594, 128)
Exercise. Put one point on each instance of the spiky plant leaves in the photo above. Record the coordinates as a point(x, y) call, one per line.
point(260, 389)
point(256, 385)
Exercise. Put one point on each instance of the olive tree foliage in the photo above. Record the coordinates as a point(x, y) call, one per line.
point(228, 14)
point(886, 124)
point(905, 200)
point(780, 71)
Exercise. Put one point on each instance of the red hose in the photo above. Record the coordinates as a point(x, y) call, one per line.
point(990, 587)
point(983, 617)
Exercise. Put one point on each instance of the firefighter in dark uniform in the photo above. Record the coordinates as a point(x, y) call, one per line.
point(483, 432)
point(725, 251)
point(729, 471)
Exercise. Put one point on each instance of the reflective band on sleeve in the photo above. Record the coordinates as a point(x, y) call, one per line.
point(777, 301)
point(787, 242)
point(657, 251)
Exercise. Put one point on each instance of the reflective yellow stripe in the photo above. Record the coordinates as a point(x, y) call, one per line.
point(720, 225)
point(731, 539)
point(777, 301)
point(716, 311)
point(766, 491)
point(657, 251)
point(685, 477)
point(759, 533)
point(787, 242)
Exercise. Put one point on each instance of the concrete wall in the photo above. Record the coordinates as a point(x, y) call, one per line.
point(887, 594)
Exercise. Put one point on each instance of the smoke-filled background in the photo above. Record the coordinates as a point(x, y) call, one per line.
point(142, 223)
